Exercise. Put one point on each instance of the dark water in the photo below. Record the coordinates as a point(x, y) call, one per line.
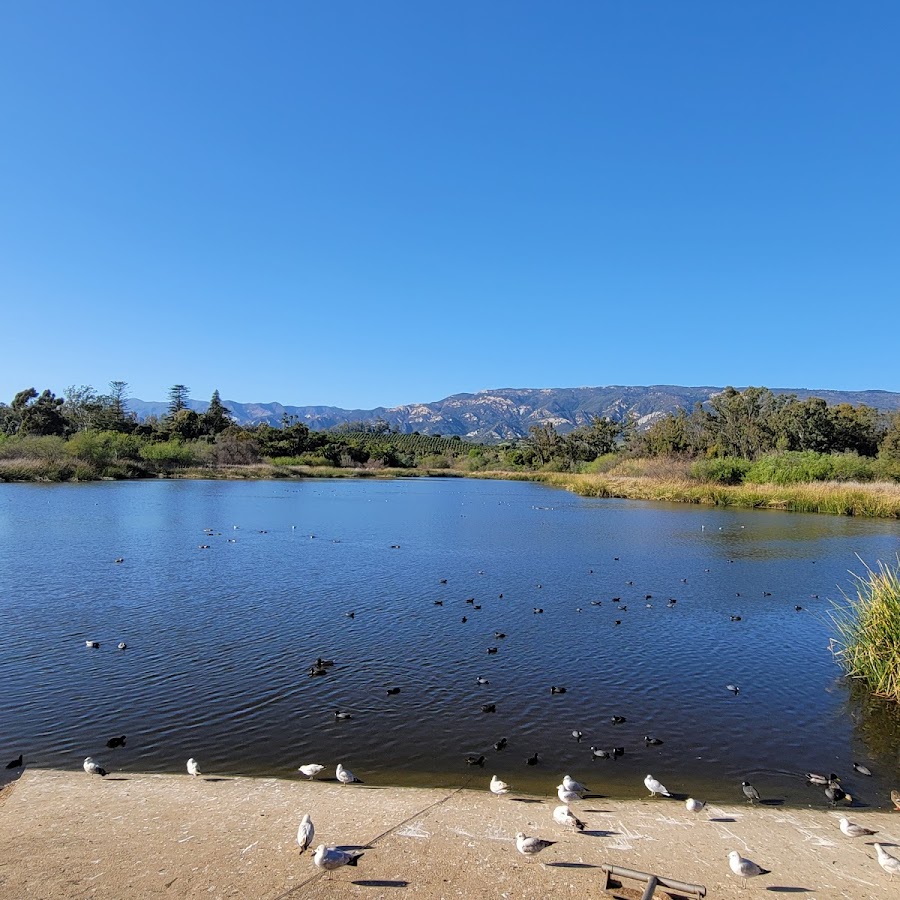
point(220, 639)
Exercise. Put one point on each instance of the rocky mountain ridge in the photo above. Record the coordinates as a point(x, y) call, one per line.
point(508, 413)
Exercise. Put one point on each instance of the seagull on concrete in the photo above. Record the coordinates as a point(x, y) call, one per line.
point(570, 784)
point(93, 768)
point(345, 776)
point(851, 829)
point(193, 767)
point(498, 787)
point(655, 787)
point(529, 846)
point(305, 832)
point(310, 770)
point(566, 796)
point(693, 805)
point(564, 816)
point(330, 858)
point(746, 868)
point(889, 863)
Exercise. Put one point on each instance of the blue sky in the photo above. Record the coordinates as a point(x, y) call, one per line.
point(361, 204)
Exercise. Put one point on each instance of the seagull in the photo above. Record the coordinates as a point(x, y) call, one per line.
point(570, 784)
point(93, 768)
point(889, 863)
point(562, 815)
point(15, 763)
point(330, 858)
point(746, 868)
point(529, 846)
point(566, 796)
point(114, 742)
point(498, 787)
point(193, 767)
point(655, 787)
point(895, 797)
point(750, 792)
point(310, 770)
point(851, 829)
point(863, 770)
point(305, 832)
point(694, 805)
point(345, 776)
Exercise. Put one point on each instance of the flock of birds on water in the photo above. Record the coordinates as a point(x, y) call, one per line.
point(569, 791)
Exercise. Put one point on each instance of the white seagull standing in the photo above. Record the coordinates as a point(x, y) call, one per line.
point(566, 796)
point(330, 858)
point(345, 776)
point(655, 787)
point(529, 846)
point(851, 829)
point(570, 784)
point(564, 816)
point(694, 805)
point(746, 868)
point(310, 770)
point(193, 767)
point(889, 863)
point(498, 787)
point(305, 832)
point(93, 768)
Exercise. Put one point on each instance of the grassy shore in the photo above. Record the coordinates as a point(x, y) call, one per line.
point(877, 500)
point(872, 500)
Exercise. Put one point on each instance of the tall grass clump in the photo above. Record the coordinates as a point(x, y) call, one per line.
point(868, 627)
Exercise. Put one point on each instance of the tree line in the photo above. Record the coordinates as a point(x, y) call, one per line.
point(728, 438)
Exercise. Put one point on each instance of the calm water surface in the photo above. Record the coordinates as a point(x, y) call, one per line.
point(220, 639)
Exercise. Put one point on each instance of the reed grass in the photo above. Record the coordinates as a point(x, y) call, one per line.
point(868, 628)
point(878, 500)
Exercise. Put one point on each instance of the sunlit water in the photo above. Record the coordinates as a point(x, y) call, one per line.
point(220, 640)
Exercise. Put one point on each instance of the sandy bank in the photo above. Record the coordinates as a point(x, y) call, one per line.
point(67, 834)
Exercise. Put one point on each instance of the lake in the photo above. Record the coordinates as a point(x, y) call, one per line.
point(228, 592)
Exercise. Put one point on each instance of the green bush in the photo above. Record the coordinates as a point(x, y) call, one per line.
point(721, 470)
point(601, 464)
point(169, 453)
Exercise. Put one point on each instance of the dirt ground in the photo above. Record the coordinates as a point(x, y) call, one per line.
point(70, 835)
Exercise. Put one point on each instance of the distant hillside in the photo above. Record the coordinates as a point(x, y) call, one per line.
point(508, 413)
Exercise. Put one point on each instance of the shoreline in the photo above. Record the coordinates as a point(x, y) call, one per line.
point(64, 834)
point(878, 500)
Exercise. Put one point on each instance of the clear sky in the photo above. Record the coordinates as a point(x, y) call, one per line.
point(374, 203)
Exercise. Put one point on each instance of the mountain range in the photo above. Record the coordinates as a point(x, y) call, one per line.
point(507, 413)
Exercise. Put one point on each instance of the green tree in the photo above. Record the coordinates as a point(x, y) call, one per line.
point(216, 418)
point(544, 442)
point(44, 416)
point(178, 398)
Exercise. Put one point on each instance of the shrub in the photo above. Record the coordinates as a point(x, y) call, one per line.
point(722, 470)
point(868, 626)
point(168, 453)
